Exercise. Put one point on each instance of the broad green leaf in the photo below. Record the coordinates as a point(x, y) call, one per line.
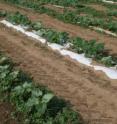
point(47, 97)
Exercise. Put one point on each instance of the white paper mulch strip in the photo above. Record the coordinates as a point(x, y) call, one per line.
point(110, 72)
point(109, 1)
point(62, 7)
point(103, 30)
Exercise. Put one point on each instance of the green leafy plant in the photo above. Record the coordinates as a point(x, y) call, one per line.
point(109, 61)
point(17, 18)
point(91, 49)
point(94, 50)
point(56, 37)
point(67, 116)
point(3, 13)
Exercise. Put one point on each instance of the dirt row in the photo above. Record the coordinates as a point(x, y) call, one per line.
point(98, 7)
point(91, 93)
point(62, 8)
point(73, 30)
point(59, 9)
point(5, 114)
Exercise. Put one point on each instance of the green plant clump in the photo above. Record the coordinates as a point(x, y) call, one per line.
point(3, 13)
point(18, 18)
point(94, 50)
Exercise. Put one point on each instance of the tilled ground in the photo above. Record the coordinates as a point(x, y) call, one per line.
point(90, 92)
point(73, 30)
point(5, 114)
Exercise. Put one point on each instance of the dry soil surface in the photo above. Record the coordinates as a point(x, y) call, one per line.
point(5, 114)
point(98, 7)
point(90, 92)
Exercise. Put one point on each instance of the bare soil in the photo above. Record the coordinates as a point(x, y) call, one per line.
point(62, 10)
point(73, 30)
point(98, 7)
point(5, 114)
point(90, 92)
point(58, 9)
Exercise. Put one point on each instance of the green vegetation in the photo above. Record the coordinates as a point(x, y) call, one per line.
point(56, 37)
point(3, 13)
point(94, 50)
point(64, 2)
point(35, 104)
point(18, 18)
point(70, 16)
point(112, 13)
point(110, 6)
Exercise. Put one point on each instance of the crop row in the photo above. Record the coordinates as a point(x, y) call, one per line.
point(64, 2)
point(92, 49)
point(82, 6)
point(70, 3)
point(34, 103)
point(70, 16)
point(108, 13)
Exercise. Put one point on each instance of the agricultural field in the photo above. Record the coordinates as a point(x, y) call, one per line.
point(58, 62)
